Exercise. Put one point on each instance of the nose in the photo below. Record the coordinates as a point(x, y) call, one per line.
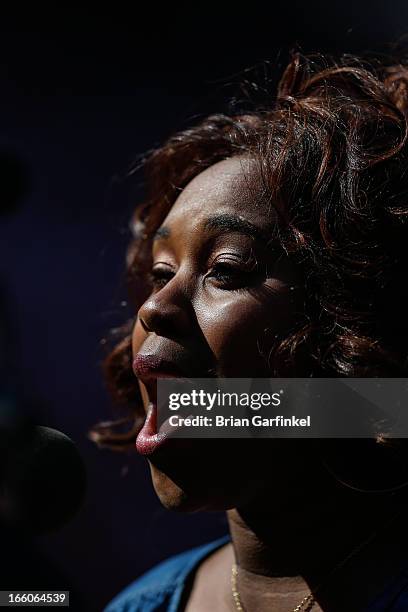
point(168, 312)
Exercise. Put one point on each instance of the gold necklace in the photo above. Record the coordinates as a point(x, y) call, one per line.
point(305, 605)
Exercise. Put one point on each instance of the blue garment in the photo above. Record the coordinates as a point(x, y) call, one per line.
point(161, 588)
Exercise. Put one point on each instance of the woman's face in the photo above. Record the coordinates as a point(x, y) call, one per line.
point(219, 291)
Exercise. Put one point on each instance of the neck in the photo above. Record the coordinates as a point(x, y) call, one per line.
point(286, 548)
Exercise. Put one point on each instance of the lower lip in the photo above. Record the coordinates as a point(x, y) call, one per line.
point(148, 440)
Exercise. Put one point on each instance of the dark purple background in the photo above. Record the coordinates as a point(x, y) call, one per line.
point(79, 98)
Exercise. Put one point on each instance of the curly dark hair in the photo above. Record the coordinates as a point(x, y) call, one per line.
point(331, 144)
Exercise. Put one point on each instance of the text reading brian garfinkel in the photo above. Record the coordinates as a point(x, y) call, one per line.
point(209, 401)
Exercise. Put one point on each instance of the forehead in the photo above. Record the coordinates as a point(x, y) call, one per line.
point(232, 185)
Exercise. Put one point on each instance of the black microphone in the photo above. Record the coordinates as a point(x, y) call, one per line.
point(42, 480)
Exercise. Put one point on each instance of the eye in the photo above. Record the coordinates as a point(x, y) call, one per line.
point(233, 276)
point(159, 276)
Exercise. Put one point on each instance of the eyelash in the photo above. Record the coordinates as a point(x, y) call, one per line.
point(157, 276)
point(224, 272)
point(221, 271)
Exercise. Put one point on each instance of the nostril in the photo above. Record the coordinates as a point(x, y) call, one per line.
point(165, 314)
point(143, 324)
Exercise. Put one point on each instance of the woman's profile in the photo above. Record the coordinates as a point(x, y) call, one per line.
point(273, 242)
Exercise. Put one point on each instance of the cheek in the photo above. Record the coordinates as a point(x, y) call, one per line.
point(235, 325)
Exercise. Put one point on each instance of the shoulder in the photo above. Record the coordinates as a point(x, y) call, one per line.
point(162, 584)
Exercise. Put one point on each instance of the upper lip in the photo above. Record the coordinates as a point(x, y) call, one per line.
point(150, 366)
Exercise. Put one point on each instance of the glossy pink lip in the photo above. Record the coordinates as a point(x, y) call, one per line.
point(153, 366)
point(149, 368)
point(148, 439)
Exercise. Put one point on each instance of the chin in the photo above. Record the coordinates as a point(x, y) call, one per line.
point(183, 499)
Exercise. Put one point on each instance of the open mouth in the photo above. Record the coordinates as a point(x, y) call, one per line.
point(149, 368)
point(154, 434)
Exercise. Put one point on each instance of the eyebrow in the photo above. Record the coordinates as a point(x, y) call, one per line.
point(224, 222)
point(162, 232)
point(233, 223)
